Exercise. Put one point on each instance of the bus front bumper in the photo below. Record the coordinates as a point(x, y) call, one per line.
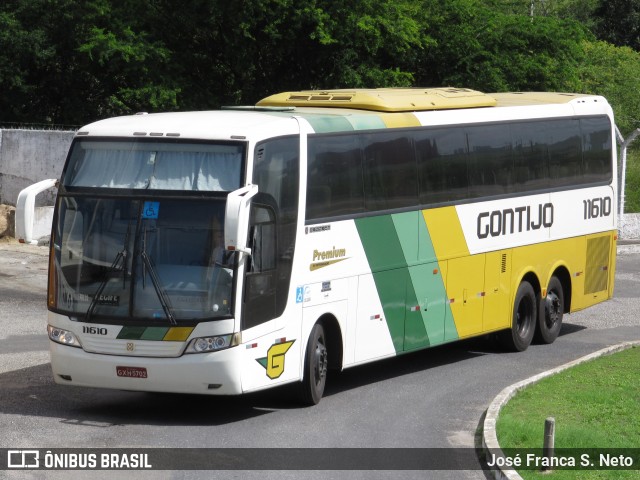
point(215, 373)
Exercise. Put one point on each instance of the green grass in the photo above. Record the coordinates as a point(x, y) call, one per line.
point(596, 405)
point(632, 190)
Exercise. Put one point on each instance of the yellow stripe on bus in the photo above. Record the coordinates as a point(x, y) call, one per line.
point(178, 334)
point(446, 232)
point(399, 120)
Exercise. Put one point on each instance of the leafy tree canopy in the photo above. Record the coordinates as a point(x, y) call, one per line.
point(618, 22)
point(492, 51)
point(70, 62)
point(613, 72)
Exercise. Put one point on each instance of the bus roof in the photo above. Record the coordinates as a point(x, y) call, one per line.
point(521, 99)
point(347, 110)
point(205, 125)
point(384, 99)
point(411, 99)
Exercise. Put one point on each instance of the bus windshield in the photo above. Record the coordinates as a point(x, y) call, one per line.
point(155, 165)
point(157, 259)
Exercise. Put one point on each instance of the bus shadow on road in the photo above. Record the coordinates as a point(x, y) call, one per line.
point(407, 364)
point(568, 328)
point(32, 392)
point(422, 360)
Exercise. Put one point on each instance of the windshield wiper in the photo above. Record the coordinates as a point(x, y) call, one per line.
point(120, 256)
point(162, 295)
point(105, 278)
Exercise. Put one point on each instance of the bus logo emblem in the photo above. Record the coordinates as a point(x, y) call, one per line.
point(131, 346)
point(274, 361)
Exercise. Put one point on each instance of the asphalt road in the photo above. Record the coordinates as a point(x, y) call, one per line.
point(434, 398)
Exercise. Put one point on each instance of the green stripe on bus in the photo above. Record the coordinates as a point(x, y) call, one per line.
point(406, 225)
point(408, 279)
point(429, 284)
point(381, 243)
point(366, 122)
point(131, 333)
point(154, 333)
point(389, 268)
point(328, 123)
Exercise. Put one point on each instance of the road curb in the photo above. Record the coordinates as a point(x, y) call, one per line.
point(490, 444)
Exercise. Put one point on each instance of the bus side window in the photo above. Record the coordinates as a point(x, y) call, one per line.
point(334, 184)
point(565, 152)
point(262, 239)
point(596, 149)
point(276, 172)
point(530, 156)
point(261, 279)
point(442, 165)
point(390, 175)
point(490, 160)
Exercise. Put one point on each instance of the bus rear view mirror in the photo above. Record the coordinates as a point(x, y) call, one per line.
point(25, 210)
point(236, 223)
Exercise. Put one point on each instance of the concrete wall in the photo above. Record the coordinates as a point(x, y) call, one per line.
point(629, 227)
point(28, 156)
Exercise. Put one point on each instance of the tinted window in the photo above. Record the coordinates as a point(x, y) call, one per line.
point(389, 171)
point(442, 165)
point(276, 173)
point(262, 289)
point(490, 160)
point(596, 149)
point(453, 163)
point(530, 156)
point(335, 176)
point(273, 228)
point(565, 159)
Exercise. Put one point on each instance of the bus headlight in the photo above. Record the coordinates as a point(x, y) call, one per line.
point(213, 344)
point(64, 337)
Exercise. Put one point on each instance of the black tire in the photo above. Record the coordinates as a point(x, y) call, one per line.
point(315, 367)
point(550, 312)
point(523, 323)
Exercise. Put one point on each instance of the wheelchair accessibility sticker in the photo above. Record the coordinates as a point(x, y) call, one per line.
point(151, 210)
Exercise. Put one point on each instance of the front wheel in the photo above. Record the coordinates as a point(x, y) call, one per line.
point(551, 311)
point(523, 324)
point(315, 367)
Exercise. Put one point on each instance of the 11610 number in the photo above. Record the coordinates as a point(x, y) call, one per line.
point(94, 330)
point(596, 207)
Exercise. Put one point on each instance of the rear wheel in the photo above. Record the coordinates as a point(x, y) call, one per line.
point(551, 311)
point(315, 367)
point(523, 323)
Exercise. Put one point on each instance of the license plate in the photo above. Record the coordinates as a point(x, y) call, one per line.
point(132, 372)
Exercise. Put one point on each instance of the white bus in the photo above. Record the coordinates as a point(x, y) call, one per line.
point(231, 251)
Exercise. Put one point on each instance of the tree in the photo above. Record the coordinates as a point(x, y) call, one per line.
point(131, 69)
point(481, 48)
point(239, 52)
point(579, 10)
point(69, 62)
point(22, 52)
point(63, 61)
point(613, 72)
point(618, 22)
